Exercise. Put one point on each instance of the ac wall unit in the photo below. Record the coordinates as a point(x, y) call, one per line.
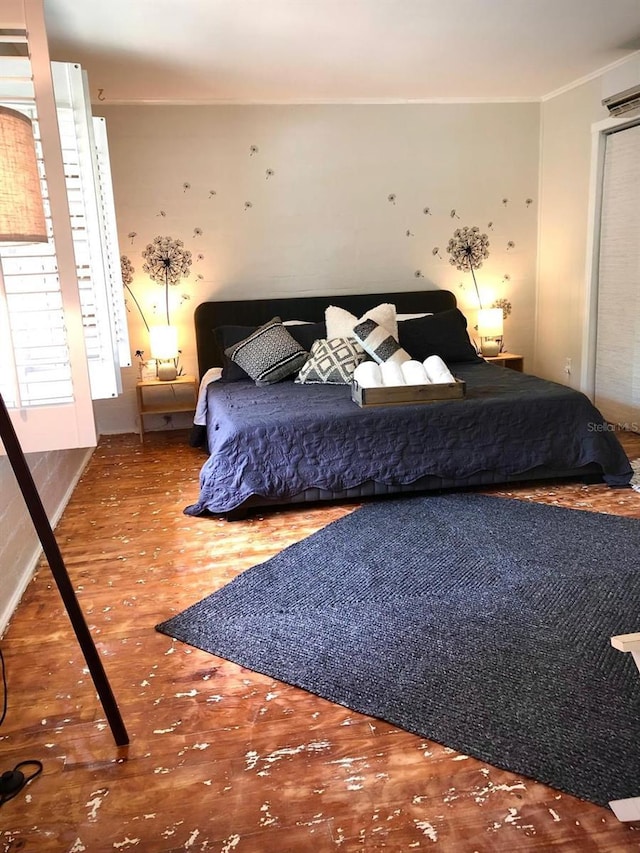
point(623, 102)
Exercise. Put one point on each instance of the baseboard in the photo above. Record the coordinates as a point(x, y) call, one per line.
point(32, 564)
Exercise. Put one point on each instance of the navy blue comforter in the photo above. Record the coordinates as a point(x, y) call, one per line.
point(279, 440)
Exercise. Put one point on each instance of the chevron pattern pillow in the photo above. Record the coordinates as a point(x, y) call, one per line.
point(332, 362)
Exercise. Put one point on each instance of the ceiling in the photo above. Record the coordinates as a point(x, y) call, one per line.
point(293, 51)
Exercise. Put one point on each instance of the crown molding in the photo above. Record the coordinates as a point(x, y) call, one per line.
point(588, 77)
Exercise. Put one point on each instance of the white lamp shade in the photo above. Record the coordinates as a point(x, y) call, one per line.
point(490, 322)
point(21, 210)
point(164, 342)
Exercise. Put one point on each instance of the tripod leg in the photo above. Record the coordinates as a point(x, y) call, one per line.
point(61, 576)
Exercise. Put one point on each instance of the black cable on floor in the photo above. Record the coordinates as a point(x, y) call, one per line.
point(13, 781)
point(4, 690)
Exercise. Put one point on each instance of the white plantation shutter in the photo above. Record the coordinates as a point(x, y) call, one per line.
point(37, 337)
point(53, 298)
point(93, 229)
point(111, 247)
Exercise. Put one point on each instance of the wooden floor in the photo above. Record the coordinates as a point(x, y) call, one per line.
point(222, 759)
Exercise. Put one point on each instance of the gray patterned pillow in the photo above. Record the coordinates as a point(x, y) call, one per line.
point(332, 362)
point(379, 343)
point(268, 354)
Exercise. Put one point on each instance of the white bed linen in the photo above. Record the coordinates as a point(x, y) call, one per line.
point(212, 375)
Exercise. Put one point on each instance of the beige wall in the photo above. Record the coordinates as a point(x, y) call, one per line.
point(566, 199)
point(322, 222)
point(565, 168)
point(55, 475)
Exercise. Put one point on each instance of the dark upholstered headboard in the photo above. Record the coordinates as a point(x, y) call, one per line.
point(254, 312)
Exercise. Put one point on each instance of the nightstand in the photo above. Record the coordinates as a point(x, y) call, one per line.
point(165, 397)
point(508, 359)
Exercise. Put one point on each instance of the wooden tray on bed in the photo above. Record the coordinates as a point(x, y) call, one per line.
point(401, 395)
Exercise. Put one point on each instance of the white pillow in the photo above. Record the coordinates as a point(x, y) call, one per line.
point(340, 323)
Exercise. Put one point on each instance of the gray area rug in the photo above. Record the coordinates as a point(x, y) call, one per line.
point(481, 623)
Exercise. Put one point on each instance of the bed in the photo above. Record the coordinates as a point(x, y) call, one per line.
point(286, 443)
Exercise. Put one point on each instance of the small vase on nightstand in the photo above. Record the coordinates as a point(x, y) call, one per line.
point(490, 349)
point(167, 371)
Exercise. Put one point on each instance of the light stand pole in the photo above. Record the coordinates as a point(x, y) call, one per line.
point(61, 576)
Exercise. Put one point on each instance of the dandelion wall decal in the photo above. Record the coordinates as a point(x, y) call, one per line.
point(132, 235)
point(392, 198)
point(248, 205)
point(510, 245)
point(505, 201)
point(212, 193)
point(468, 249)
point(427, 211)
point(418, 274)
point(453, 214)
point(506, 277)
point(200, 257)
point(269, 173)
point(200, 277)
point(528, 202)
point(184, 297)
point(409, 233)
point(197, 232)
point(505, 305)
point(127, 269)
point(161, 213)
point(253, 149)
point(166, 262)
point(436, 252)
point(489, 225)
point(186, 186)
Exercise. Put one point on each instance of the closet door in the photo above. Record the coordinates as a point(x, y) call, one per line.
point(617, 388)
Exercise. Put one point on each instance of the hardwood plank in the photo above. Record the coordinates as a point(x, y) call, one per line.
point(221, 758)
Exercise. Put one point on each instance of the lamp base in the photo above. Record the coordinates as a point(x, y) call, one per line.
point(167, 371)
point(490, 349)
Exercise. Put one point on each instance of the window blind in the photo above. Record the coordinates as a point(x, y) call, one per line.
point(617, 387)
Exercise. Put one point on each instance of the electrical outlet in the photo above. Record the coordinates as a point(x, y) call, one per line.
point(567, 366)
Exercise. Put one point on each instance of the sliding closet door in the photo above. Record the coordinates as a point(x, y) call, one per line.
point(617, 390)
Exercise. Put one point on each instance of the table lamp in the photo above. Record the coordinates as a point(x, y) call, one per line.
point(164, 349)
point(490, 330)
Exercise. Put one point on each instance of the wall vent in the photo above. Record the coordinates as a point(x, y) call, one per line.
point(623, 102)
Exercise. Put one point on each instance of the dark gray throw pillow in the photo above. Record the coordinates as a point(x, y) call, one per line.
point(226, 336)
point(444, 334)
point(269, 354)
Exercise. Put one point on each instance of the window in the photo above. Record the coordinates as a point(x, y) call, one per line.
point(617, 383)
point(63, 330)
